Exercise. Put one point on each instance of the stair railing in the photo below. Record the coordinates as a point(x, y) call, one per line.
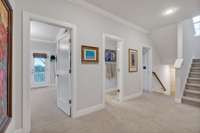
point(163, 87)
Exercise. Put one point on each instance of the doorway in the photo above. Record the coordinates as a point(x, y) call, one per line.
point(54, 100)
point(47, 100)
point(147, 68)
point(112, 69)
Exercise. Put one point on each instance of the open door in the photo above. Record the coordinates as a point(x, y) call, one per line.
point(63, 73)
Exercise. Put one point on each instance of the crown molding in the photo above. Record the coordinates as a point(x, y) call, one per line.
point(105, 13)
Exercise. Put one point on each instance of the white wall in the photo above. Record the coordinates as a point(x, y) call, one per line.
point(90, 27)
point(163, 72)
point(191, 49)
point(43, 46)
point(50, 48)
point(165, 40)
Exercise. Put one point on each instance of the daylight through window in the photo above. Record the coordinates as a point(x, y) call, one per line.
point(196, 22)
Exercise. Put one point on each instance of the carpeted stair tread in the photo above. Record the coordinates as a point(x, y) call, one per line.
point(191, 99)
point(192, 91)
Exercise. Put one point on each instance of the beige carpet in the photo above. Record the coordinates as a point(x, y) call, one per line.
point(151, 113)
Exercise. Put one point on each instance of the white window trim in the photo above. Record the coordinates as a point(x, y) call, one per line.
point(196, 34)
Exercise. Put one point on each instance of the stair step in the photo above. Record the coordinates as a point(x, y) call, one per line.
point(195, 69)
point(195, 85)
point(192, 91)
point(191, 86)
point(198, 79)
point(193, 80)
point(194, 74)
point(191, 101)
point(198, 73)
point(195, 64)
point(196, 60)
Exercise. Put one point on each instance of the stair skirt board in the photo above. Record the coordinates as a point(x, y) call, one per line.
point(191, 94)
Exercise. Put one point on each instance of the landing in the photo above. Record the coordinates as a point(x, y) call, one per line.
point(151, 113)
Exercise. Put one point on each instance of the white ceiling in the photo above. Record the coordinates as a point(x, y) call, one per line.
point(148, 13)
point(44, 32)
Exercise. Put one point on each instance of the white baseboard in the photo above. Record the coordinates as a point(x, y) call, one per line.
point(178, 100)
point(89, 110)
point(19, 131)
point(135, 95)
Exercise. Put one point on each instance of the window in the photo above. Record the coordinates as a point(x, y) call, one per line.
point(39, 70)
point(196, 22)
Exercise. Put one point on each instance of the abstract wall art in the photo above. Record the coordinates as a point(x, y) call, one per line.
point(5, 64)
point(110, 55)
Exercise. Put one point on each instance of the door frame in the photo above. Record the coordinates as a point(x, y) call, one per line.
point(150, 68)
point(48, 72)
point(26, 55)
point(120, 80)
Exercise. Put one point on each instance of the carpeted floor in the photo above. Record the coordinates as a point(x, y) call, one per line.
point(151, 113)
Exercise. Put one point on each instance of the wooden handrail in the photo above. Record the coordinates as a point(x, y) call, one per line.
point(154, 73)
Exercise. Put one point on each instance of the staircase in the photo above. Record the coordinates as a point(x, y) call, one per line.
point(192, 89)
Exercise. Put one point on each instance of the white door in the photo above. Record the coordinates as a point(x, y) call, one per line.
point(40, 69)
point(63, 68)
point(146, 69)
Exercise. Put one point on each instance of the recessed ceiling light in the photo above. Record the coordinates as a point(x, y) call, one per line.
point(170, 11)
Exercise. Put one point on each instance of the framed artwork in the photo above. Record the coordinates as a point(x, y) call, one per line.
point(5, 64)
point(110, 55)
point(133, 60)
point(89, 55)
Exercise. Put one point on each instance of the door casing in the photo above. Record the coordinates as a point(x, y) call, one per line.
point(120, 43)
point(26, 77)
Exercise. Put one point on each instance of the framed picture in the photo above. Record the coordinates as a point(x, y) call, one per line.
point(110, 55)
point(5, 64)
point(133, 60)
point(89, 55)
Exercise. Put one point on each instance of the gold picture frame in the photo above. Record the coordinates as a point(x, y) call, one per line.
point(89, 55)
point(132, 60)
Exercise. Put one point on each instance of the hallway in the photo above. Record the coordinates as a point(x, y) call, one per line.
point(151, 113)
